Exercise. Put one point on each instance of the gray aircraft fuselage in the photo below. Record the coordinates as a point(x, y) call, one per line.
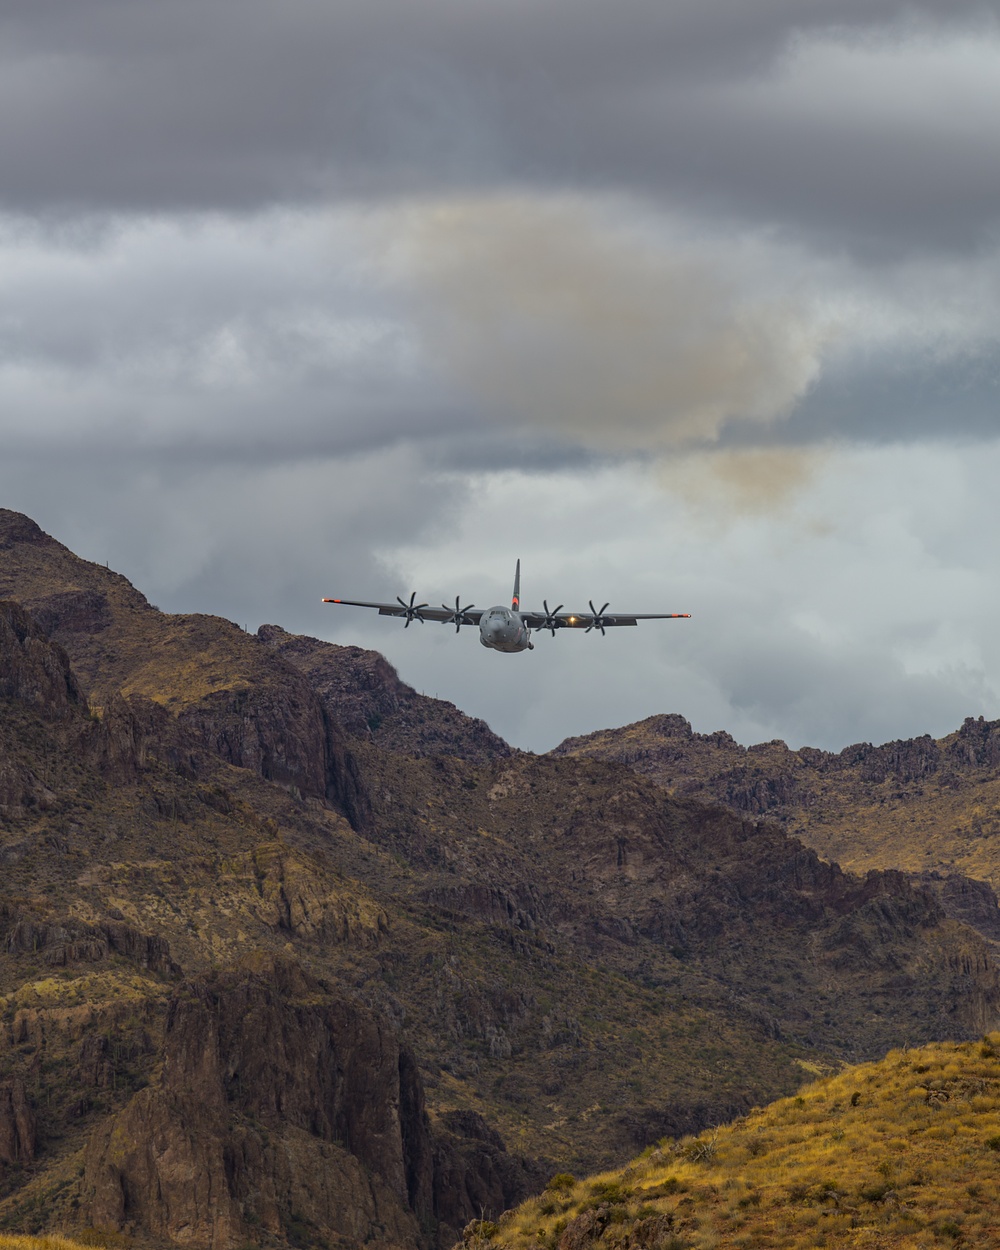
point(502, 629)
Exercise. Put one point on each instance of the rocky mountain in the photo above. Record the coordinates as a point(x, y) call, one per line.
point(928, 808)
point(901, 1153)
point(362, 693)
point(292, 955)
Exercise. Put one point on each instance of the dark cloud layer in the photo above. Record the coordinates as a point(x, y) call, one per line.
point(689, 304)
point(895, 396)
point(118, 105)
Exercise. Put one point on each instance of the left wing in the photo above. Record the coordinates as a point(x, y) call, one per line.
point(414, 611)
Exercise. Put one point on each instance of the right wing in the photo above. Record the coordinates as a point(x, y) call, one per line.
point(595, 620)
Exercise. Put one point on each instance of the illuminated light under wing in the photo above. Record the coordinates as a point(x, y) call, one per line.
point(583, 620)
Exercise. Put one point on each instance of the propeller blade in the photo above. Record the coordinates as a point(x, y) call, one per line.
point(551, 622)
point(411, 609)
point(458, 617)
point(597, 618)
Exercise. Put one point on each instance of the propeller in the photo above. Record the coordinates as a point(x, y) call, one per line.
point(411, 610)
point(551, 623)
point(598, 618)
point(458, 618)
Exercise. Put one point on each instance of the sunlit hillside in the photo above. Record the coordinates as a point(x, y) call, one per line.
point(902, 1153)
point(54, 1243)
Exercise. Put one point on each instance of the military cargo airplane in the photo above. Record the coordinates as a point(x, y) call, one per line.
point(509, 629)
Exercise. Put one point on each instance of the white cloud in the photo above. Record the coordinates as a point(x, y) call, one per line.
point(210, 334)
point(914, 82)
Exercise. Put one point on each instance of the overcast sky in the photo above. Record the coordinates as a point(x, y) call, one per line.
point(692, 305)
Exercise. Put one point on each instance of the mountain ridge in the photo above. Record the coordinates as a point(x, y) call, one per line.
point(930, 808)
point(576, 961)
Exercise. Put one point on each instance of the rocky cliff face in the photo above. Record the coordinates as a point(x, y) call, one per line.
point(284, 1107)
point(972, 902)
point(17, 1124)
point(362, 692)
point(931, 808)
point(282, 1102)
point(32, 671)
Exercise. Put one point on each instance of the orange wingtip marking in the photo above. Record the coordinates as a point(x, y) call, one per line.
point(329, 601)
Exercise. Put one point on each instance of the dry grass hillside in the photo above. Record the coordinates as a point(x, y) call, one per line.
point(904, 1153)
point(54, 1242)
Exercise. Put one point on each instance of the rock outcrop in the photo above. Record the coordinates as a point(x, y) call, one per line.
point(17, 1124)
point(285, 1105)
point(32, 670)
point(963, 898)
point(362, 692)
point(928, 807)
point(474, 1175)
point(59, 944)
point(281, 1101)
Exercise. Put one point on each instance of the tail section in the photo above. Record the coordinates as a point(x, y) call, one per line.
point(515, 603)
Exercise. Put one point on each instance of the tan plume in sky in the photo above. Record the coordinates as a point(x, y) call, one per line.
point(564, 319)
point(723, 483)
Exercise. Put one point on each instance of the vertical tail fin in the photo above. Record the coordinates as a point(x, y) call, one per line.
point(515, 603)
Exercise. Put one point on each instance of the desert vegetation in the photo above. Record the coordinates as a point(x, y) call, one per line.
point(54, 1242)
point(902, 1153)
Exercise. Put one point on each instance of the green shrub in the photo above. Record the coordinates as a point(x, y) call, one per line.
point(610, 1192)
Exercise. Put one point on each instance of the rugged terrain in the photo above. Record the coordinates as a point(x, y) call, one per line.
point(903, 1154)
point(294, 955)
point(928, 808)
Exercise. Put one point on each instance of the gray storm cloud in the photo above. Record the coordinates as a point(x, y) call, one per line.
point(560, 319)
point(295, 295)
point(861, 122)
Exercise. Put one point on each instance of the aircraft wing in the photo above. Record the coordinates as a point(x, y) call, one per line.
point(417, 611)
point(602, 620)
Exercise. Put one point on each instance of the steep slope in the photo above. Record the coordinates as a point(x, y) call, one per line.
point(363, 693)
point(902, 1153)
point(237, 698)
point(929, 808)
